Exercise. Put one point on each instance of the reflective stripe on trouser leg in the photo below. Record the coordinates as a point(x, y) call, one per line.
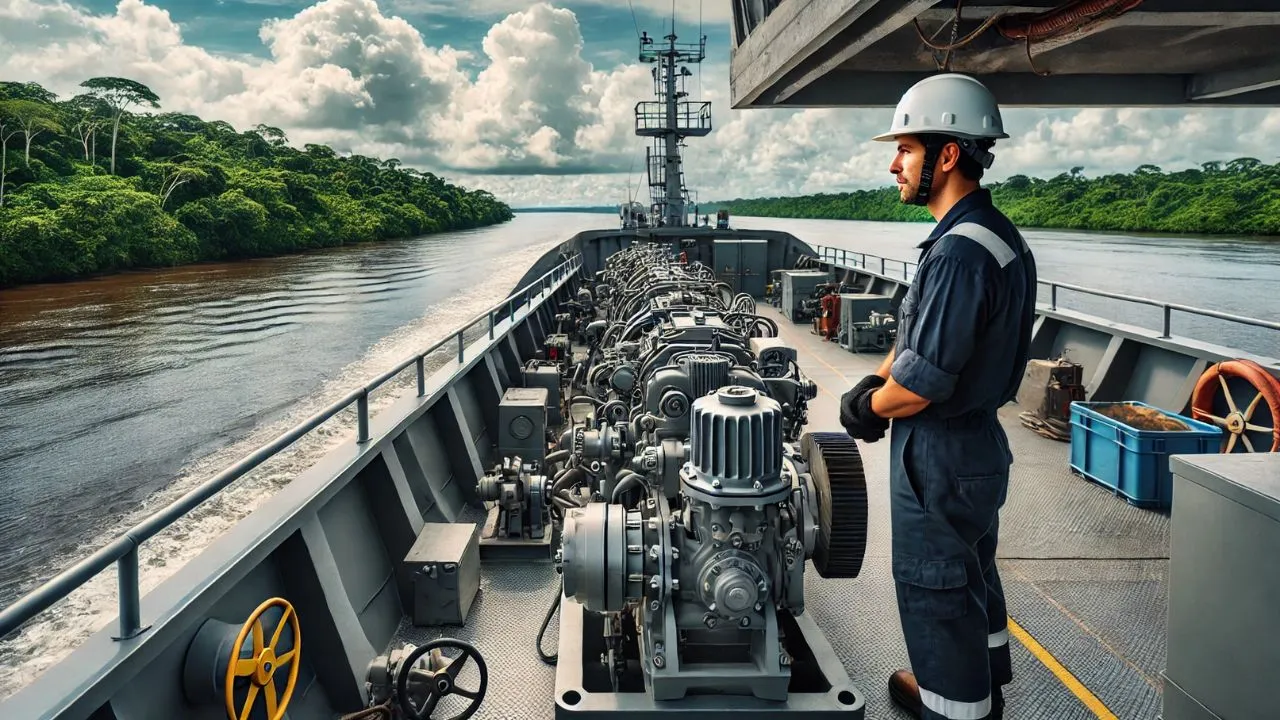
point(943, 505)
point(997, 613)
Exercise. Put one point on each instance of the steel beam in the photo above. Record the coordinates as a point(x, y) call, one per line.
point(1230, 83)
point(871, 28)
point(852, 88)
point(791, 33)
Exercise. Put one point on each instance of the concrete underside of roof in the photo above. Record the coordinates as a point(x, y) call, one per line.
point(865, 53)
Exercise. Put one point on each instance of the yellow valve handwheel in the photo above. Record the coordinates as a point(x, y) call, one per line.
point(262, 667)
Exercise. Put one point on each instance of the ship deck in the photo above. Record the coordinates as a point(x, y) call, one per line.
point(1084, 572)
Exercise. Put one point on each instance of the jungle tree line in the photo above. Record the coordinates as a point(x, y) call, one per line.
point(98, 183)
point(1240, 197)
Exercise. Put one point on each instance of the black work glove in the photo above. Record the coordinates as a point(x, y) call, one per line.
point(855, 411)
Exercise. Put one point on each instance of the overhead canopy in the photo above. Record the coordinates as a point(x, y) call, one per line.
point(1035, 53)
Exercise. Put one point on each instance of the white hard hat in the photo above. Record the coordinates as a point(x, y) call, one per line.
point(949, 104)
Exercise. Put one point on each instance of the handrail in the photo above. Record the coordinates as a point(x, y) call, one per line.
point(124, 549)
point(831, 254)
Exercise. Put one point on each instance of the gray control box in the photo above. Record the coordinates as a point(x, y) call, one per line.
point(444, 563)
point(522, 423)
point(798, 286)
point(546, 376)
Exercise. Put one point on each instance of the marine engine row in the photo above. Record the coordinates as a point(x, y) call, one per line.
point(687, 495)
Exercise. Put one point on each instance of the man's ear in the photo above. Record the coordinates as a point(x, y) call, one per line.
point(949, 157)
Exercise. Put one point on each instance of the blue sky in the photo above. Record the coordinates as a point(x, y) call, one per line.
point(534, 100)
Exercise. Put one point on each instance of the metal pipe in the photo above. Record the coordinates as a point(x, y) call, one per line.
point(362, 411)
point(422, 375)
point(129, 594)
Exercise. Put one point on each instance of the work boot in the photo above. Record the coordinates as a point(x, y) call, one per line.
point(905, 693)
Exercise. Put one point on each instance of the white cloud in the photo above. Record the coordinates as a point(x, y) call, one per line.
point(539, 118)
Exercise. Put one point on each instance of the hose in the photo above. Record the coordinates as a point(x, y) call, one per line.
point(384, 709)
point(546, 621)
point(627, 479)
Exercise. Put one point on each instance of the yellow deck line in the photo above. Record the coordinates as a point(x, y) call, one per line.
point(1064, 675)
point(1069, 681)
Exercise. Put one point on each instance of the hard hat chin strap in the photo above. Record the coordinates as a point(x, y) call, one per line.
point(933, 145)
point(932, 148)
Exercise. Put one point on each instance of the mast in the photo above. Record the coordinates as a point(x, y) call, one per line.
point(669, 121)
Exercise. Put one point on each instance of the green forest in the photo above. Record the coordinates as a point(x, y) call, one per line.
point(96, 183)
point(1240, 197)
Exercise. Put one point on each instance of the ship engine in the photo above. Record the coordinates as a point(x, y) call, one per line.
point(691, 499)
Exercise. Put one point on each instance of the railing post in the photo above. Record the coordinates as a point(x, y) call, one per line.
point(490, 324)
point(1167, 313)
point(461, 346)
point(1053, 296)
point(882, 266)
point(362, 417)
point(130, 600)
point(422, 375)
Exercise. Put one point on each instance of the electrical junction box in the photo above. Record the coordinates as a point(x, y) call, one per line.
point(797, 286)
point(546, 376)
point(522, 423)
point(444, 563)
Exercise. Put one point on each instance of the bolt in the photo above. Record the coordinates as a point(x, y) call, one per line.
point(715, 527)
point(784, 660)
point(715, 483)
point(659, 661)
point(709, 620)
point(653, 552)
point(675, 583)
point(736, 540)
point(745, 622)
point(675, 553)
point(759, 606)
point(757, 486)
point(653, 605)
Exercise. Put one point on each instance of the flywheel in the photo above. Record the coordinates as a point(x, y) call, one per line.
point(838, 479)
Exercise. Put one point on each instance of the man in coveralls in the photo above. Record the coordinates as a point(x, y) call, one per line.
point(963, 336)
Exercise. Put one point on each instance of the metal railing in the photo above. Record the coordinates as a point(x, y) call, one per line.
point(124, 549)
point(839, 256)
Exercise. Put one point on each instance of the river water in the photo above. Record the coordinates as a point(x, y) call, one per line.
point(118, 394)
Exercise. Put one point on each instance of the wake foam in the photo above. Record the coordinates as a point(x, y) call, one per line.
point(47, 639)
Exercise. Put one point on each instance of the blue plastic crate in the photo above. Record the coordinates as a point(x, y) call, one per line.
point(1134, 463)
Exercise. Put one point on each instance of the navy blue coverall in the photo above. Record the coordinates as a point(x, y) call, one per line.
point(963, 343)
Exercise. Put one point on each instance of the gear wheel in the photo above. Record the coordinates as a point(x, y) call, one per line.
point(838, 479)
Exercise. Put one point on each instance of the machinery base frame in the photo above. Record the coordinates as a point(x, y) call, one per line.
point(839, 699)
point(501, 549)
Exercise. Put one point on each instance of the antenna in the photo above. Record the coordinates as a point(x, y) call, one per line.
point(669, 120)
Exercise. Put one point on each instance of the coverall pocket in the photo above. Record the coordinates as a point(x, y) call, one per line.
point(931, 588)
point(980, 493)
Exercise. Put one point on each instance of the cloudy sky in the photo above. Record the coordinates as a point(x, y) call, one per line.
point(533, 101)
